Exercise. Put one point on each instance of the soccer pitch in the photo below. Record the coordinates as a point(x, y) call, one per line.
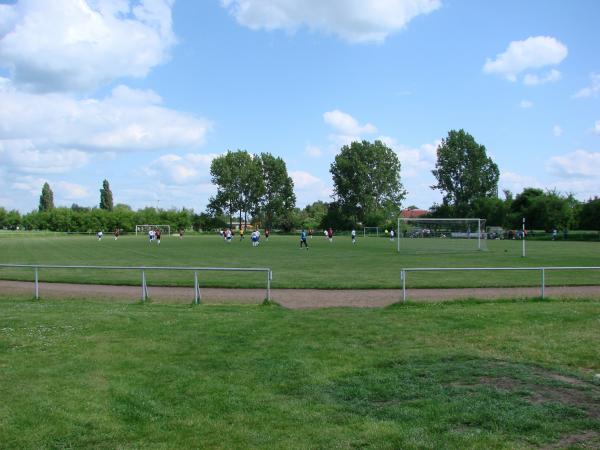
point(505, 375)
point(371, 263)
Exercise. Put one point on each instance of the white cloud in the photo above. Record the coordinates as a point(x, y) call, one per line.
point(592, 90)
point(173, 169)
point(531, 53)
point(69, 191)
point(77, 45)
point(597, 127)
point(345, 124)
point(415, 162)
point(309, 188)
point(22, 156)
point(526, 104)
point(126, 120)
point(557, 130)
point(577, 164)
point(515, 182)
point(549, 77)
point(313, 151)
point(352, 20)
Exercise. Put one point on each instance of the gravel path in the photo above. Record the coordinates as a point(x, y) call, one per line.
point(290, 298)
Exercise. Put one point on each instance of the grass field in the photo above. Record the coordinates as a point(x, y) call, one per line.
point(372, 263)
point(84, 374)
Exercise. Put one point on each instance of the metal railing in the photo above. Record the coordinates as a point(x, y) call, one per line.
point(143, 269)
point(542, 271)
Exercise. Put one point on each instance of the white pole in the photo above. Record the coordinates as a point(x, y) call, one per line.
point(479, 234)
point(398, 237)
point(523, 239)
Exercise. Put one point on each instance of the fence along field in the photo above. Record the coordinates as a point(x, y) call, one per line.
point(371, 263)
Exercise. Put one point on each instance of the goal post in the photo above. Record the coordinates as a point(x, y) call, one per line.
point(143, 229)
point(464, 234)
point(370, 230)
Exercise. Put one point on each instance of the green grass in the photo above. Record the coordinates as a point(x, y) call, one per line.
point(372, 263)
point(84, 374)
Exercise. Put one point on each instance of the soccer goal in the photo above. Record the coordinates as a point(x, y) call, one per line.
point(441, 235)
point(371, 231)
point(165, 230)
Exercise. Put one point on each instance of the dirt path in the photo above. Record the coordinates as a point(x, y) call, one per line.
point(290, 298)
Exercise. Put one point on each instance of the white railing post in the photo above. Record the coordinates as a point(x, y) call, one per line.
point(269, 276)
point(196, 289)
point(403, 276)
point(144, 290)
point(543, 282)
point(37, 285)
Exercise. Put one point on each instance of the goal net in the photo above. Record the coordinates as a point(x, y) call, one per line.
point(165, 230)
point(441, 235)
point(371, 231)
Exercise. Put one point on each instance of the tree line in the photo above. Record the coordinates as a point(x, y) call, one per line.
point(367, 191)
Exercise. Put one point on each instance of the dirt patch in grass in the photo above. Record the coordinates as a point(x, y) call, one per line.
point(587, 439)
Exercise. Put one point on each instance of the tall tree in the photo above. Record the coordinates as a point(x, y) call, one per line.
point(239, 184)
point(366, 178)
point(464, 172)
point(47, 198)
point(106, 197)
point(278, 199)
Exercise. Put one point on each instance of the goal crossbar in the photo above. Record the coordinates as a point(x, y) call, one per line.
point(470, 234)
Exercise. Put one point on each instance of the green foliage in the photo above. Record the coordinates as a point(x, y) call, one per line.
point(366, 178)
point(590, 215)
point(106, 197)
point(46, 199)
point(464, 172)
point(542, 210)
point(278, 199)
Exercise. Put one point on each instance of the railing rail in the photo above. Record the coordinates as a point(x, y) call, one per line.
point(143, 269)
point(542, 270)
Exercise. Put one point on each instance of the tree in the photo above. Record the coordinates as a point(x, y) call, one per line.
point(589, 215)
point(464, 172)
point(278, 199)
point(542, 210)
point(366, 178)
point(47, 198)
point(239, 184)
point(106, 197)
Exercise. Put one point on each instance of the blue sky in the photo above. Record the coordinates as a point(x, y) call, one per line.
point(145, 93)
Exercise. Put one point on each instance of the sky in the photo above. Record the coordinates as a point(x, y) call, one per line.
point(145, 93)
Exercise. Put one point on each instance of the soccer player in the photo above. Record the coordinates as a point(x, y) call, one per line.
point(303, 239)
point(150, 235)
point(228, 235)
point(353, 234)
point(330, 234)
point(325, 234)
point(391, 235)
point(157, 236)
point(310, 233)
point(99, 234)
point(267, 232)
point(181, 233)
point(241, 234)
point(117, 232)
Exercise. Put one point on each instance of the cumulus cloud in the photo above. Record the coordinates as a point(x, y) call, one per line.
point(549, 77)
point(309, 188)
point(515, 182)
point(531, 53)
point(313, 151)
point(577, 164)
point(172, 169)
point(415, 161)
point(345, 124)
point(64, 191)
point(22, 156)
point(525, 104)
point(592, 90)
point(352, 20)
point(126, 120)
point(78, 45)
point(557, 130)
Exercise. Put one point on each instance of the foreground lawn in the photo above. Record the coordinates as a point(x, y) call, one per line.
point(372, 263)
point(83, 374)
